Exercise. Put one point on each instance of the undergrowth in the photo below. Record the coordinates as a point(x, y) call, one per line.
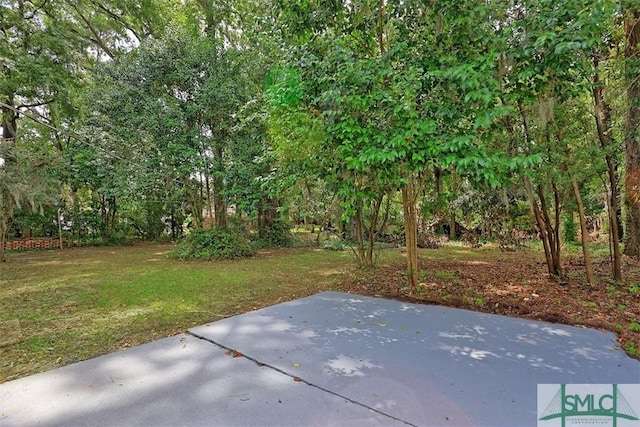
point(213, 244)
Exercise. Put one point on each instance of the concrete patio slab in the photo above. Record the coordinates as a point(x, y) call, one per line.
point(329, 359)
point(177, 381)
point(426, 365)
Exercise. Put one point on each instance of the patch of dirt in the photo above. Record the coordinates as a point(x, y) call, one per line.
point(517, 284)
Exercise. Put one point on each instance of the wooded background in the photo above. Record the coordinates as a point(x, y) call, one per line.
point(128, 119)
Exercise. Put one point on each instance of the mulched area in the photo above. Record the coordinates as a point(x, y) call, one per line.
point(516, 283)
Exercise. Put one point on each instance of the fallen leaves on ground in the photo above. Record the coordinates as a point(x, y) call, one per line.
point(233, 353)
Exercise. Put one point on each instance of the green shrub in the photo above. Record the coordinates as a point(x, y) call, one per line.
point(276, 234)
point(213, 244)
point(239, 226)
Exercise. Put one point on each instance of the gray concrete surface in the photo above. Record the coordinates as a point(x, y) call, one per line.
point(330, 359)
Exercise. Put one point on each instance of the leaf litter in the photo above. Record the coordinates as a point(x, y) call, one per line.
point(515, 284)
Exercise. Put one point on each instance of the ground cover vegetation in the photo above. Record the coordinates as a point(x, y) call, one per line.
point(367, 123)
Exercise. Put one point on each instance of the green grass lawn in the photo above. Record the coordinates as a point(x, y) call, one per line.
point(79, 303)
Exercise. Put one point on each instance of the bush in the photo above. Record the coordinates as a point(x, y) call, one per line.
point(276, 234)
point(213, 244)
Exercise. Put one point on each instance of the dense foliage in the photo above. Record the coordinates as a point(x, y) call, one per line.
point(368, 118)
point(276, 234)
point(213, 244)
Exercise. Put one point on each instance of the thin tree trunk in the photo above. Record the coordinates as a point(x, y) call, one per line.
point(452, 211)
point(3, 237)
point(584, 232)
point(372, 229)
point(557, 206)
point(541, 221)
point(219, 205)
point(197, 205)
point(75, 203)
point(605, 129)
point(209, 201)
point(105, 218)
point(360, 250)
point(541, 225)
point(552, 233)
point(203, 200)
point(409, 194)
point(632, 133)
point(452, 225)
point(364, 250)
point(111, 214)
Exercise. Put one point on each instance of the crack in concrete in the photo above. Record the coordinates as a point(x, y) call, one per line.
point(299, 379)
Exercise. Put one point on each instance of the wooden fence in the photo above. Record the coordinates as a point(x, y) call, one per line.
point(34, 243)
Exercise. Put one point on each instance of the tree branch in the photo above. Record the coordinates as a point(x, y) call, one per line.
point(98, 40)
point(38, 8)
point(35, 104)
point(119, 19)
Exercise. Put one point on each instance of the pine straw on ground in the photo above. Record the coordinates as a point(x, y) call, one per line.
point(517, 284)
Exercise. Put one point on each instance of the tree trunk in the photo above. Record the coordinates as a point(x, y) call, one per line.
point(552, 231)
point(373, 229)
point(540, 218)
point(360, 249)
point(452, 211)
point(75, 203)
point(173, 227)
point(584, 232)
point(219, 204)
point(605, 136)
point(209, 200)
point(549, 234)
point(3, 235)
point(9, 131)
point(632, 133)
point(103, 215)
point(452, 225)
point(409, 197)
point(364, 250)
point(9, 119)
